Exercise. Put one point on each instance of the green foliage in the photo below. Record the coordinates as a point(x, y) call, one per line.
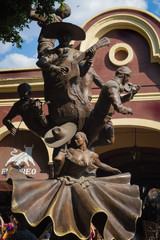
point(15, 16)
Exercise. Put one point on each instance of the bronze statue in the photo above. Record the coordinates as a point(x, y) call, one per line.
point(73, 108)
point(43, 21)
point(61, 73)
point(84, 158)
point(67, 85)
point(88, 76)
point(109, 101)
point(73, 201)
point(30, 110)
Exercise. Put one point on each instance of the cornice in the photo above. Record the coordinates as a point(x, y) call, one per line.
point(138, 97)
point(154, 96)
point(18, 69)
point(10, 84)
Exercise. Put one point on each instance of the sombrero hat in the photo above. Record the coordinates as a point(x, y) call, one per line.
point(60, 135)
point(54, 30)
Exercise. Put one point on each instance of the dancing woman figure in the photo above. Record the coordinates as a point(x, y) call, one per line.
point(73, 201)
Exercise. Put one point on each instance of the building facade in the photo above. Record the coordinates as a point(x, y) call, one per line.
point(135, 42)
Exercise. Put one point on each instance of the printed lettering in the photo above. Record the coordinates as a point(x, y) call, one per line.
point(4, 171)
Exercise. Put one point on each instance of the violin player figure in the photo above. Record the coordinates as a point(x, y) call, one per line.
point(30, 110)
point(108, 102)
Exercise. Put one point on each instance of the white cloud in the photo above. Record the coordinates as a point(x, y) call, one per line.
point(28, 34)
point(16, 60)
point(5, 47)
point(157, 3)
point(83, 10)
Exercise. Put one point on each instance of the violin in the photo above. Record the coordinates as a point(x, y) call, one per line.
point(135, 88)
point(128, 87)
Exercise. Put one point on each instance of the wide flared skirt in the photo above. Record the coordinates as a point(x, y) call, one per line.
point(111, 203)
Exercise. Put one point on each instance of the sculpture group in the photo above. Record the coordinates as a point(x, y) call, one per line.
point(75, 199)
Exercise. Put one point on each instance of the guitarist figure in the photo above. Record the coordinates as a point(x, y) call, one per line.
point(62, 74)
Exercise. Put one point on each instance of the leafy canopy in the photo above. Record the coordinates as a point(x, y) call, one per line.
point(15, 16)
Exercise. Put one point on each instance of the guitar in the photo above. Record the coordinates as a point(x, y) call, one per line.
point(101, 43)
point(71, 66)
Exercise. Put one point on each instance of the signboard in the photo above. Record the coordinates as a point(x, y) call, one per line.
point(26, 152)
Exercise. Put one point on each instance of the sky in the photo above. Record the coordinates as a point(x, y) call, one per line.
point(82, 10)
